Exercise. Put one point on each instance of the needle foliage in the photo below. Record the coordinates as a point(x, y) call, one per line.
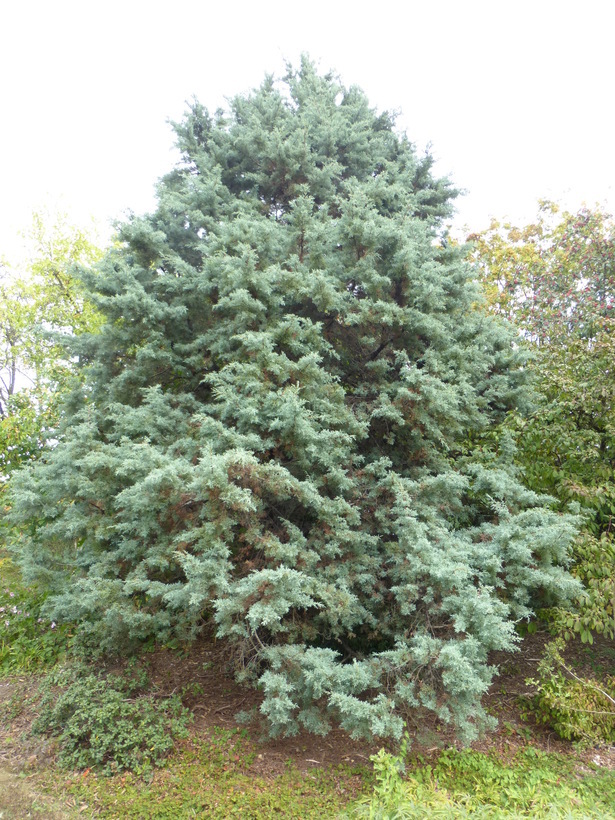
point(272, 434)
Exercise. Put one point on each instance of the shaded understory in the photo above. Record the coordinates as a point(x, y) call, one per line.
point(224, 769)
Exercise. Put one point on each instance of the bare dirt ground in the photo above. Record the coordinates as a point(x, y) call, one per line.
point(215, 698)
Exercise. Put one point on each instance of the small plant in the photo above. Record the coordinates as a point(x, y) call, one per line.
point(575, 707)
point(394, 797)
point(389, 769)
point(108, 722)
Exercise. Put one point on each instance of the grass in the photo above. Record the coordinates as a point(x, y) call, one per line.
point(212, 779)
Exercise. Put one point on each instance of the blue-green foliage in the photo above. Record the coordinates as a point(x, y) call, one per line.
point(272, 432)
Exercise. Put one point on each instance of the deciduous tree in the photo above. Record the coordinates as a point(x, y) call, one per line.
point(41, 303)
point(555, 278)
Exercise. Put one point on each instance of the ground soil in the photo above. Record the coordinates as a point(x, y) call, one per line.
point(210, 691)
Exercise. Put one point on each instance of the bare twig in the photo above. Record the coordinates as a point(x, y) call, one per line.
point(590, 685)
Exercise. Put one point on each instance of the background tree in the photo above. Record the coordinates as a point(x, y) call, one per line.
point(41, 303)
point(271, 431)
point(555, 279)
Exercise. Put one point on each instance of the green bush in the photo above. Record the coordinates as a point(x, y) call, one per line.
point(575, 707)
point(109, 722)
point(28, 640)
point(594, 559)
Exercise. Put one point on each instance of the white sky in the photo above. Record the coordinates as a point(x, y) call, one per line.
point(516, 98)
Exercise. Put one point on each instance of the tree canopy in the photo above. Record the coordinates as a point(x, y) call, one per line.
point(554, 278)
point(272, 431)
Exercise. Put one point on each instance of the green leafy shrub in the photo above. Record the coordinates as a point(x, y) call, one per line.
point(594, 559)
point(576, 708)
point(108, 722)
point(473, 784)
point(29, 641)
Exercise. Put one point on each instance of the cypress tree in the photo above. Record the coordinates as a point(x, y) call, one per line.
point(273, 430)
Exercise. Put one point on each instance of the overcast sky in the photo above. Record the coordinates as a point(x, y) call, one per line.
point(515, 98)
